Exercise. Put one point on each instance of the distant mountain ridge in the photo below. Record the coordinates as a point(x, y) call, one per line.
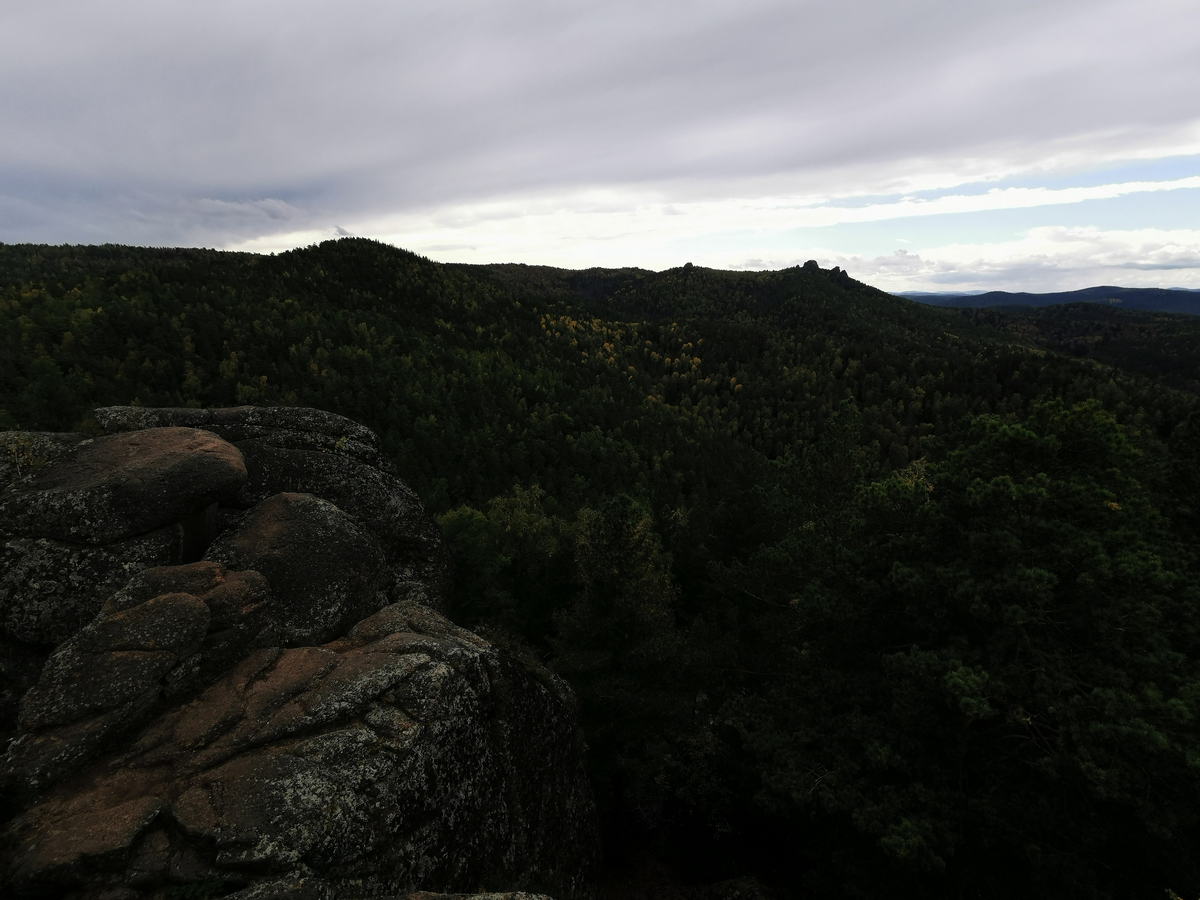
point(1172, 300)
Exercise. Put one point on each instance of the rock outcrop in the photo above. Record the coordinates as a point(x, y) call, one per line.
point(50, 589)
point(226, 674)
point(79, 516)
point(117, 486)
point(330, 457)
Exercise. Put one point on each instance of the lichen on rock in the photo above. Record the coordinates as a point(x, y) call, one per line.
point(324, 569)
point(315, 452)
point(281, 718)
point(50, 589)
point(116, 486)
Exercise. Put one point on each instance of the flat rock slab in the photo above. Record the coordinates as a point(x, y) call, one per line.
point(324, 569)
point(114, 487)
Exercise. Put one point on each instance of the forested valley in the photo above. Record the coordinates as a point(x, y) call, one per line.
point(861, 598)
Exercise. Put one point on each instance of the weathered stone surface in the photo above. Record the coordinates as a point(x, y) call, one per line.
point(331, 457)
point(117, 486)
point(94, 832)
point(286, 889)
point(289, 427)
point(324, 569)
point(275, 731)
point(385, 505)
point(408, 754)
point(23, 454)
point(50, 589)
point(20, 668)
point(169, 631)
point(238, 604)
point(746, 888)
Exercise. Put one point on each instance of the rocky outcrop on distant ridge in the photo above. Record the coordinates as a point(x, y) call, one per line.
point(227, 672)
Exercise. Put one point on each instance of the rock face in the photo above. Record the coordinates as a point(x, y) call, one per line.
point(286, 716)
point(324, 569)
point(330, 457)
point(50, 589)
point(121, 485)
point(168, 631)
point(79, 516)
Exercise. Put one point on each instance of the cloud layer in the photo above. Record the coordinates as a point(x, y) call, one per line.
point(1052, 258)
point(555, 131)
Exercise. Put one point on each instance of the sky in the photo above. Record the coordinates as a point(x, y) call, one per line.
point(935, 145)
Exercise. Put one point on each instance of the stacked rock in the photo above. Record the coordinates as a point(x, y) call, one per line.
point(227, 673)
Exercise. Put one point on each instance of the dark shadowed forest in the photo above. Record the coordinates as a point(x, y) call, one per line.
point(860, 597)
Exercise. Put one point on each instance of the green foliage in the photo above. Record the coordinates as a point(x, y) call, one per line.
point(594, 595)
point(1158, 344)
point(1005, 680)
point(617, 637)
point(864, 597)
point(475, 548)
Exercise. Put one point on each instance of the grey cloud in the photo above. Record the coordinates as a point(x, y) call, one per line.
point(1092, 263)
point(1192, 262)
point(163, 122)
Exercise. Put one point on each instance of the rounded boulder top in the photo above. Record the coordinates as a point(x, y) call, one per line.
point(285, 426)
point(116, 486)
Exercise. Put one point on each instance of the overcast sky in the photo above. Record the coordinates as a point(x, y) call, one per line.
point(920, 144)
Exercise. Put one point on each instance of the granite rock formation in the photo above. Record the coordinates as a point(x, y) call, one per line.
point(328, 456)
point(227, 672)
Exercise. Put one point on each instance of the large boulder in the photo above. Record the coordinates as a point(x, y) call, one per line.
point(412, 542)
point(293, 427)
point(408, 754)
point(294, 449)
point(324, 569)
point(80, 517)
point(114, 487)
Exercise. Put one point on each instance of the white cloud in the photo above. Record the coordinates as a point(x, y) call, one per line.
point(279, 243)
point(994, 199)
point(1053, 258)
point(609, 227)
point(611, 213)
point(608, 132)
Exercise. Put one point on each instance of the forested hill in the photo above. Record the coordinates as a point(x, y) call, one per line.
point(1148, 299)
point(861, 597)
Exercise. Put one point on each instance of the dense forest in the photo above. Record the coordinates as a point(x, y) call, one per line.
point(862, 598)
point(1168, 300)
